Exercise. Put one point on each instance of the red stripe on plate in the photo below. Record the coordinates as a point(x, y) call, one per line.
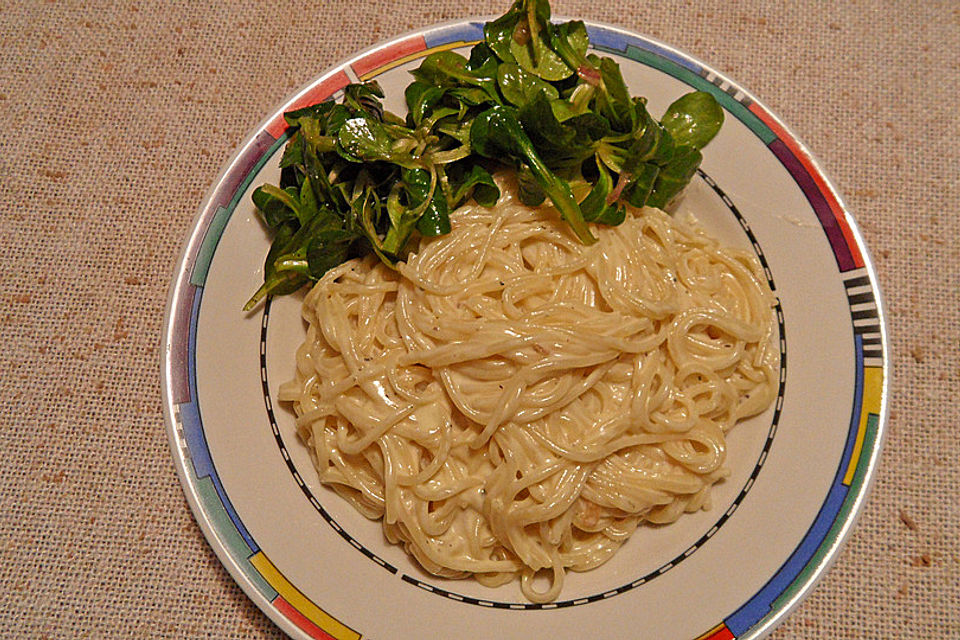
point(397, 50)
point(719, 632)
point(818, 179)
point(300, 620)
point(317, 93)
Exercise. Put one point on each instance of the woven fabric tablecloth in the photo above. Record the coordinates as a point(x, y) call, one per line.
point(117, 117)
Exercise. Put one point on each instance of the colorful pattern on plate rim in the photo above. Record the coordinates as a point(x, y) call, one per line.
point(823, 534)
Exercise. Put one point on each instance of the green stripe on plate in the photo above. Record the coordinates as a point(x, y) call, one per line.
point(212, 236)
point(227, 532)
point(209, 245)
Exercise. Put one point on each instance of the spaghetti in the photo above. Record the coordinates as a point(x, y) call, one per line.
point(512, 403)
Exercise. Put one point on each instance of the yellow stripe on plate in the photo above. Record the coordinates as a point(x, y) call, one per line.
point(710, 633)
point(300, 602)
point(872, 396)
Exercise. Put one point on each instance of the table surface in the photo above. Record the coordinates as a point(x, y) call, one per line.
point(120, 115)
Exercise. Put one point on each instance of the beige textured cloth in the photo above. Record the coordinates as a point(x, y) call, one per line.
point(117, 116)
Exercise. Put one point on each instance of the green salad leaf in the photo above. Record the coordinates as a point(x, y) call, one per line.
point(355, 178)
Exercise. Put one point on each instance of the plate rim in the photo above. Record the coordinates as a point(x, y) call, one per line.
point(204, 219)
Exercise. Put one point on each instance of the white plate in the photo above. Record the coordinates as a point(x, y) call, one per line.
point(800, 470)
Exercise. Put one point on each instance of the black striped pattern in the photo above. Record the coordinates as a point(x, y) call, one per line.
point(728, 88)
point(865, 315)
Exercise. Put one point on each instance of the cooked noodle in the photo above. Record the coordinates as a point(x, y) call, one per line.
point(512, 403)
